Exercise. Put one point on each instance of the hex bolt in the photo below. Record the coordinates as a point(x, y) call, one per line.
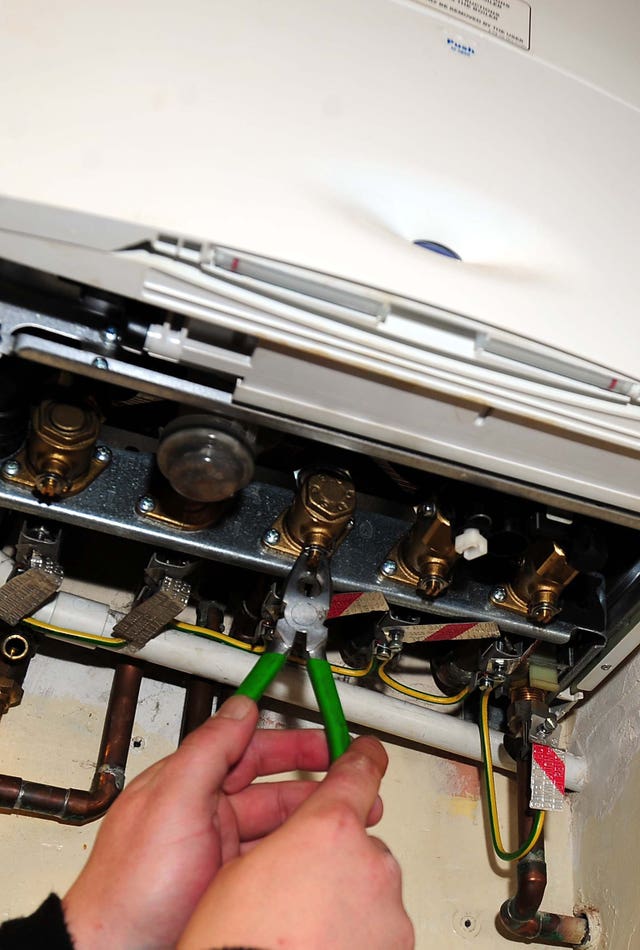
point(547, 727)
point(271, 537)
point(100, 363)
point(11, 468)
point(102, 453)
point(389, 568)
point(499, 594)
point(145, 504)
point(110, 335)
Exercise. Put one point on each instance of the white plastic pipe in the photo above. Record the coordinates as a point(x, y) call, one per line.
point(6, 566)
point(180, 651)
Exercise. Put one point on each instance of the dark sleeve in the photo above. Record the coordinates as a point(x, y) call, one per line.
point(43, 929)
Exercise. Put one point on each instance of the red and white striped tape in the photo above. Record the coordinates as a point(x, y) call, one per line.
point(547, 778)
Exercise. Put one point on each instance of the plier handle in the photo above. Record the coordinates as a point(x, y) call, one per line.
point(305, 606)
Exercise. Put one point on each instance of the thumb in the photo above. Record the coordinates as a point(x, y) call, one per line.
point(199, 767)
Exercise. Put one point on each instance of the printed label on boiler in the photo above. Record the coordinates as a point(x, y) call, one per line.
point(508, 20)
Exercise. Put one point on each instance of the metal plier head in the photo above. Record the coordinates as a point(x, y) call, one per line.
point(305, 605)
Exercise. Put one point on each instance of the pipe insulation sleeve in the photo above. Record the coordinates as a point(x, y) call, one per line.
point(224, 664)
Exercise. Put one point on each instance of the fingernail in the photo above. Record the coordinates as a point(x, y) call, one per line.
point(236, 707)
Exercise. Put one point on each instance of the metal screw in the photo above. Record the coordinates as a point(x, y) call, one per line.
point(11, 468)
point(271, 536)
point(427, 510)
point(499, 594)
point(102, 453)
point(146, 504)
point(100, 363)
point(389, 568)
point(606, 667)
point(548, 726)
point(350, 524)
point(110, 335)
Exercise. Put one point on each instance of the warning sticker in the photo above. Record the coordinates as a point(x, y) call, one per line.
point(509, 20)
point(547, 778)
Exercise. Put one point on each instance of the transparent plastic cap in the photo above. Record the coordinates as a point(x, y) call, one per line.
point(205, 460)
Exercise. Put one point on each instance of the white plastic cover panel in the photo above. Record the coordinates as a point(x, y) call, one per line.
point(334, 135)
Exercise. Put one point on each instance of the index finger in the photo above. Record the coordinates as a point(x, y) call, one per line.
point(353, 780)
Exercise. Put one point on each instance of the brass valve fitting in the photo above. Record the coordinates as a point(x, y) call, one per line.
point(60, 446)
point(320, 515)
point(60, 456)
point(425, 557)
point(536, 590)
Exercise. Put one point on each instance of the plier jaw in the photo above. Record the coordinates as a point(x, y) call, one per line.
point(305, 606)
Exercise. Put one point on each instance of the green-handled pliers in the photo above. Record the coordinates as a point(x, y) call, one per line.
point(305, 606)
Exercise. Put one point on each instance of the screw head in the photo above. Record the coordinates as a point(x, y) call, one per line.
point(499, 594)
point(389, 568)
point(146, 504)
point(606, 667)
point(110, 335)
point(102, 453)
point(11, 468)
point(100, 363)
point(427, 510)
point(271, 536)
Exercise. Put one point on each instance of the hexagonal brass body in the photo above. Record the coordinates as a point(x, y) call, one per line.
point(428, 553)
point(60, 447)
point(544, 573)
point(321, 511)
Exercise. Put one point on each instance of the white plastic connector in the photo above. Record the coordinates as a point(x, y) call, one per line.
point(471, 544)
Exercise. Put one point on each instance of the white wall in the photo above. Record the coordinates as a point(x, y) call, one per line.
point(606, 815)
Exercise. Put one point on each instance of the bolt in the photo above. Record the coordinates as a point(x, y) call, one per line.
point(389, 568)
point(431, 585)
point(49, 484)
point(605, 667)
point(272, 536)
point(382, 651)
point(11, 468)
point(100, 363)
point(543, 612)
point(499, 594)
point(548, 726)
point(145, 504)
point(102, 453)
point(110, 336)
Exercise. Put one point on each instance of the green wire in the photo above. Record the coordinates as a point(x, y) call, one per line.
point(536, 828)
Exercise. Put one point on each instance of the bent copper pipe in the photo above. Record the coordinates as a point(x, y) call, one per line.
point(72, 805)
point(521, 914)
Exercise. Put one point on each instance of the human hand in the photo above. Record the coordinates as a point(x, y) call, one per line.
point(319, 881)
point(171, 830)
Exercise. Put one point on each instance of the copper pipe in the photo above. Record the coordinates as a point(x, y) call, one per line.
point(532, 869)
point(75, 806)
point(198, 703)
point(521, 915)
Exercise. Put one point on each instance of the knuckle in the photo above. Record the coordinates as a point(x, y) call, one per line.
point(340, 816)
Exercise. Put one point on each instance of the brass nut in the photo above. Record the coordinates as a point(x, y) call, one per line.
point(330, 498)
point(61, 425)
